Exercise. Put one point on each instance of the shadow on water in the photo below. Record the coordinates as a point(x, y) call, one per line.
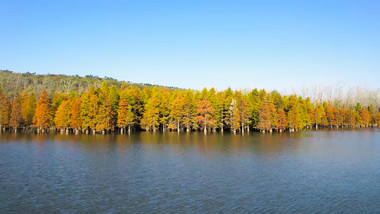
point(210, 144)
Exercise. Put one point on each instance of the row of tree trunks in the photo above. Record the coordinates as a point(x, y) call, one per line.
point(187, 129)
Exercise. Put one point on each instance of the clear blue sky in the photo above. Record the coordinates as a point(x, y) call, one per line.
point(197, 43)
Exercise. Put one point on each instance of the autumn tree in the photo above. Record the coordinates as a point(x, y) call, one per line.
point(365, 116)
point(377, 119)
point(42, 117)
point(189, 109)
point(254, 103)
point(134, 98)
point(93, 111)
point(177, 111)
point(282, 122)
point(5, 111)
point(264, 119)
point(103, 117)
point(55, 103)
point(30, 109)
point(331, 115)
point(349, 118)
point(85, 111)
point(113, 100)
point(103, 112)
point(164, 107)
point(23, 99)
point(16, 117)
point(75, 114)
point(322, 115)
point(242, 109)
point(205, 111)
point(234, 116)
point(151, 115)
point(62, 115)
point(125, 115)
point(294, 114)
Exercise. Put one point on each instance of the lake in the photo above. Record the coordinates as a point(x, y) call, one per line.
point(308, 172)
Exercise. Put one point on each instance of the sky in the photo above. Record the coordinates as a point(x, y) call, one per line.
point(196, 43)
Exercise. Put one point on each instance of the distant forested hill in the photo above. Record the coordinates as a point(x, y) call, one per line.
point(14, 83)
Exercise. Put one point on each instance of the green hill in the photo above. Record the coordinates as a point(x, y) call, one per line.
point(13, 83)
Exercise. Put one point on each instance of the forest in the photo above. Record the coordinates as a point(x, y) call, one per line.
point(103, 106)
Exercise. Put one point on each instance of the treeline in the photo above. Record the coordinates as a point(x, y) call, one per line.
point(128, 108)
point(30, 82)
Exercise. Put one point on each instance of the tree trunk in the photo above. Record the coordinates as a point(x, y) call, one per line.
point(205, 129)
point(129, 129)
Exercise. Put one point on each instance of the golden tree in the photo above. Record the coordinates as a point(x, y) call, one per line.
point(62, 115)
point(125, 115)
point(42, 117)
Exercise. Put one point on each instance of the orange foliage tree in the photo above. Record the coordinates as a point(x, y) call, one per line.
point(42, 117)
point(205, 111)
point(16, 117)
point(282, 122)
point(264, 123)
point(75, 118)
point(125, 115)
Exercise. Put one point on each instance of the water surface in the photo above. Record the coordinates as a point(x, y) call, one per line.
point(308, 172)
